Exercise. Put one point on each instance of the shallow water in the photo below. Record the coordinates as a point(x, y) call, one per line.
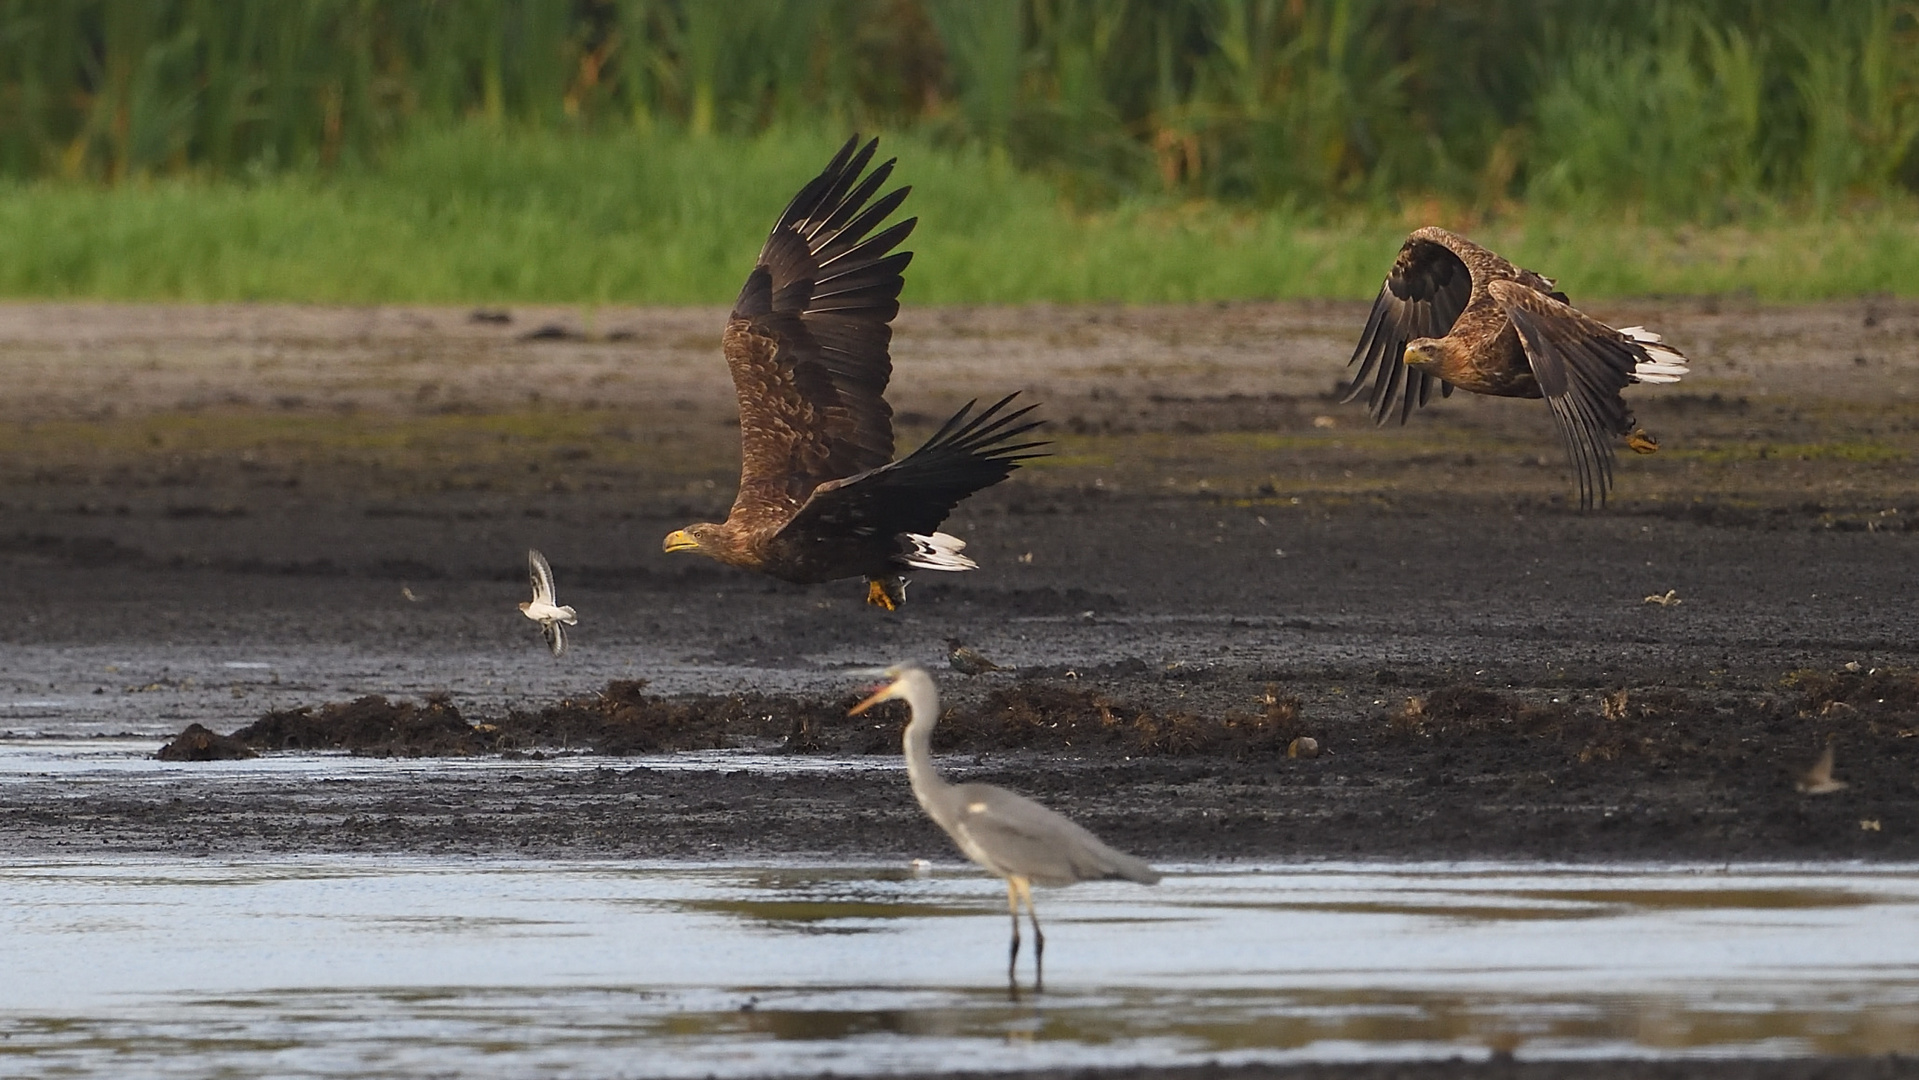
point(383, 966)
point(76, 764)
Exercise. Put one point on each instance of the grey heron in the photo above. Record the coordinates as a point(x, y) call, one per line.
point(1010, 835)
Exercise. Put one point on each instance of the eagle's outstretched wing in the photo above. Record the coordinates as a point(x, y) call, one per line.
point(1581, 365)
point(915, 493)
point(808, 337)
point(1428, 287)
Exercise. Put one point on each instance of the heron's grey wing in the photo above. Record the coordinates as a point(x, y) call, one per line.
point(1581, 365)
point(1429, 285)
point(1022, 837)
point(542, 575)
point(555, 635)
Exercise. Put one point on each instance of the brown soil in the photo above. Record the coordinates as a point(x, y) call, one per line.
point(371, 725)
point(623, 720)
point(196, 743)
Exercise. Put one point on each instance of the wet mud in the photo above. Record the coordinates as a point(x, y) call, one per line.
point(307, 528)
point(1455, 771)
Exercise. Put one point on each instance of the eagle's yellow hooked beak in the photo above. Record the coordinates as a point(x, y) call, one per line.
point(1419, 355)
point(680, 540)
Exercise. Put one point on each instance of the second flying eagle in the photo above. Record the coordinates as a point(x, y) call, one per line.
point(820, 497)
point(1454, 314)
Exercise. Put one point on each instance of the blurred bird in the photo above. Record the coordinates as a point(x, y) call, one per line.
point(820, 497)
point(1818, 779)
point(545, 608)
point(1454, 314)
point(1008, 834)
point(967, 661)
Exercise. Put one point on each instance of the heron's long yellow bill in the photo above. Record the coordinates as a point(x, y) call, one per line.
point(878, 696)
point(680, 540)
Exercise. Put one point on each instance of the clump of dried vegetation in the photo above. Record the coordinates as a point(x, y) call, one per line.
point(1653, 724)
point(197, 743)
point(623, 720)
point(1046, 716)
point(1874, 701)
point(1663, 725)
point(371, 726)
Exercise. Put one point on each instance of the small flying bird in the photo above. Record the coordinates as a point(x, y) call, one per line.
point(967, 660)
point(1008, 834)
point(1454, 314)
point(1818, 779)
point(545, 607)
point(820, 497)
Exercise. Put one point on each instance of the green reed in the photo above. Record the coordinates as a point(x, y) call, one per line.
point(1695, 109)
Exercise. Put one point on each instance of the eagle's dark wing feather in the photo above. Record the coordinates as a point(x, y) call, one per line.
point(1581, 365)
point(808, 339)
point(915, 493)
point(1430, 284)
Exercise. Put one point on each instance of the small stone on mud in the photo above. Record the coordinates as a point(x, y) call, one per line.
point(1303, 747)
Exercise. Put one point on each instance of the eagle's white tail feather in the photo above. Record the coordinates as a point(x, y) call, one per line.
point(1663, 363)
point(938, 552)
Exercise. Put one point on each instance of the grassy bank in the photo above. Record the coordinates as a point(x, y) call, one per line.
point(469, 215)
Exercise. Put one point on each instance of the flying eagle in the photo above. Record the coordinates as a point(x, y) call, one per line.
point(1454, 314)
point(820, 497)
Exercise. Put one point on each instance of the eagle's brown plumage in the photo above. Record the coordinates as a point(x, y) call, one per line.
point(1454, 314)
point(807, 346)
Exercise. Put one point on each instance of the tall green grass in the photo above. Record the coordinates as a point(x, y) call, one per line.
point(480, 214)
point(1682, 109)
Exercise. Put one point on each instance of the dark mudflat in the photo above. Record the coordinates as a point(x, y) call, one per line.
point(217, 514)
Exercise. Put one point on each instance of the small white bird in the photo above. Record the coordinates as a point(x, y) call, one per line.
point(1818, 779)
point(544, 607)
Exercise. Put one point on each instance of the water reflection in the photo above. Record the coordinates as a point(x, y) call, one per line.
point(368, 967)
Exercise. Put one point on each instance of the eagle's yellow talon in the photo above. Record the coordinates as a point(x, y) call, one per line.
point(1641, 441)
point(878, 595)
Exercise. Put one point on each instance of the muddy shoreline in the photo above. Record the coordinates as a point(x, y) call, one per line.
point(215, 514)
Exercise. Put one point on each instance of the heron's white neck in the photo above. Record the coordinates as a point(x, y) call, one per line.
point(918, 743)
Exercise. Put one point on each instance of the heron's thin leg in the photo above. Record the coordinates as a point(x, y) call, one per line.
point(1012, 960)
point(1039, 939)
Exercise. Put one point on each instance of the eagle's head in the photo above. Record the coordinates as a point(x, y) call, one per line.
point(700, 537)
point(1423, 354)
